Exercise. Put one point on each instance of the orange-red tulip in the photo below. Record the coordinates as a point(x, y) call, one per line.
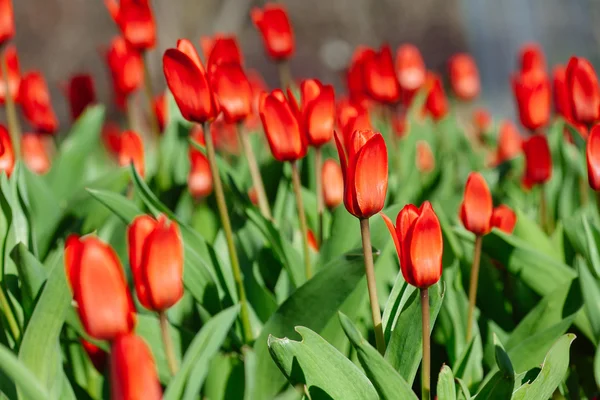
point(364, 163)
point(562, 101)
point(504, 218)
point(131, 150)
point(538, 161)
point(36, 103)
point(333, 183)
point(436, 103)
point(125, 66)
point(7, 21)
point(317, 112)
point(13, 72)
point(380, 76)
point(97, 356)
point(99, 287)
point(7, 153)
point(510, 143)
point(584, 93)
point(132, 370)
point(200, 182)
point(464, 76)
point(274, 25)
point(156, 260)
point(410, 68)
point(233, 91)
point(592, 151)
point(477, 205)
point(135, 20)
point(161, 110)
point(533, 97)
point(418, 240)
point(80, 93)
point(425, 160)
point(35, 152)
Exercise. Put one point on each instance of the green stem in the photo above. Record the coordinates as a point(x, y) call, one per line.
point(285, 74)
point(10, 317)
point(320, 200)
point(263, 202)
point(371, 284)
point(473, 284)
point(167, 342)
point(302, 218)
point(148, 90)
point(14, 127)
point(425, 330)
point(222, 206)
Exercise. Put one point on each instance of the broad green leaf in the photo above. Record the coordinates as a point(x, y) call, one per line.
point(446, 389)
point(590, 290)
point(463, 390)
point(32, 275)
point(315, 363)
point(28, 384)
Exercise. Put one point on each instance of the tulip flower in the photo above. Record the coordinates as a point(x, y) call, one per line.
point(562, 101)
point(7, 154)
point(99, 287)
point(359, 121)
point(510, 143)
point(7, 21)
point(10, 85)
point(233, 91)
point(333, 187)
point(312, 241)
point(436, 103)
point(36, 103)
point(125, 66)
point(532, 61)
point(131, 150)
point(274, 24)
point(583, 89)
point(533, 100)
point(538, 161)
point(419, 244)
point(161, 110)
point(224, 135)
point(111, 137)
point(504, 218)
point(199, 180)
point(482, 121)
point(464, 76)
point(425, 160)
point(35, 152)
point(136, 22)
point(97, 356)
point(410, 68)
point(592, 151)
point(80, 93)
point(356, 76)
point(132, 370)
point(222, 50)
point(476, 208)
point(400, 125)
point(380, 76)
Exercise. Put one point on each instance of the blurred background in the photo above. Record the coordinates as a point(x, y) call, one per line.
point(63, 37)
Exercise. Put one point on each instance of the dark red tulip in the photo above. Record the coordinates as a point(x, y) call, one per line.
point(584, 93)
point(562, 101)
point(504, 218)
point(97, 356)
point(125, 66)
point(200, 181)
point(538, 161)
point(510, 143)
point(533, 100)
point(35, 152)
point(364, 163)
point(380, 76)
point(99, 287)
point(7, 21)
point(592, 151)
point(36, 103)
point(136, 22)
point(131, 150)
point(233, 91)
point(161, 110)
point(274, 25)
point(80, 93)
point(477, 205)
point(333, 183)
point(356, 75)
point(464, 76)
point(436, 103)
point(13, 72)
point(410, 68)
point(425, 159)
point(7, 153)
point(317, 112)
point(419, 244)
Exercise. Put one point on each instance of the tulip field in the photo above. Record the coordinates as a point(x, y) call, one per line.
point(389, 239)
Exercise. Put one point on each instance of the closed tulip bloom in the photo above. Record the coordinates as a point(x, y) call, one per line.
point(592, 151)
point(14, 75)
point(510, 143)
point(223, 50)
point(380, 76)
point(133, 373)
point(425, 160)
point(464, 76)
point(200, 183)
point(477, 205)
point(7, 153)
point(562, 101)
point(35, 152)
point(136, 22)
point(418, 239)
point(99, 287)
point(274, 25)
point(345, 110)
point(533, 100)
point(36, 103)
point(131, 150)
point(364, 163)
point(436, 103)
point(97, 356)
point(125, 66)
point(538, 161)
point(532, 60)
point(584, 93)
point(161, 110)
point(333, 184)
point(504, 218)
point(410, 68)
point(156, 260)
point(233, 91)
point(318, 111)
point(356, 76)
point(80, 93)
point(362, 121)
point(7, 21)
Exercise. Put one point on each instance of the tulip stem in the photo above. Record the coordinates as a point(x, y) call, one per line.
point(371, 284)
point(426, 365)
point(474, 283)
point(319, 189)
point(168, 342)
point(285, 74)
point(302, 218)
point(10, 317)
point(235, 264)
point(14, 127)
point(263, 202)
point(149, 91)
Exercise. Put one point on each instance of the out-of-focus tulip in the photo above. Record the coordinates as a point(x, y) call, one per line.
point(136, 22)
point(7, 21)
point(584, 93)
point(258, 86)
point(510, 143)
point(362, 121)
point(400, 124)
point(224, 136)
point(410, 68)
point(274, 25)
point(533, 100)
point(200, 181)
point(14, 74)
point(233, 91)
point(364, 163)
point(425, 160)
point(482, 120)
point(317, 113)
point(125, 66)
point(477, 205)
point(132, 370)
point(99, 287)
point(562, 101)
point(80, 93)
point(312, 240)
point(464, 76)
point(111, 137)
point(131, 150)
point(380, 76)
point(356, 75)
point(97, 356)
point(333, 183)
point(286, 139)
point(436, 103)
point(223, 50)
point(504, 218)
point(161, 110)
point(345, 110)
point(7, 153)
point(538, 161)
point(156, 260)
point(36, 103)
point(419, 244)
point(592, 151)
point(35, 152)
point(532, 61)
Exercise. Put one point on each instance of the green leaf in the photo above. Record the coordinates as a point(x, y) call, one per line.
point(502, 383)
point(553, 371)
point(396, 302)
point(446, 390)
point(315, 363)
point(597, 366)
point(26, 381)
point(32, 275)
point(590, 290)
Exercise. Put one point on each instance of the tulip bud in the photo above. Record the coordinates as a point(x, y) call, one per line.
point(477, 205)
point(223, 50)
point(125, 66)
point(436, 103)
point(592, 151)
point(364, 163)
point(7, 153)
point(464, 76)
point(317, 111)
point(7, 21)
point(97, 356)
point(161, 110)
point(360, 122)
point(533, 100)
point(36, 103)
point(562, 101)
point(35, 153)
point(531, 60)
point(131, 150)
point(80, 93)
point(156, 260)
point(538, 161)
point(99, 287)
point(132, 370)
point(504, 218)
point(13, 72)
point(333, 184)
point(200, 182)
point(274, 25)
point(380, 76)
point(424, 158)
point(136, 21)
point(419, 244)
point(410, 68)
point(510, 143)
point(584, 93)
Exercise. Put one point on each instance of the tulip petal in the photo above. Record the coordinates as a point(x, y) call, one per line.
point(341, 154)
point(392, 229)
point(426, 248)
point(137, 233)
point(371, 176)
point(187, 48)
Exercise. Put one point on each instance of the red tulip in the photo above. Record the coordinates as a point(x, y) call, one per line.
point(125, 66)
point(400, 124)
point(477, 205)
point(436, 103)
point(135, 20)
point(131, 150)
point(7, 21)
point(418, 240)
point(97, 356)
point(258, 86)
point(36, 103)
point(504, 218)
point(233, 91)
point(592, 150)
point(13, 72)
point(410, 68)
point(464, 76)
point(161, 110)
point(380, 76)
point(224, 136)
point(533, 100)
point(364, 165)
point(35, 152)
point(274, 25)
point(333, 183)
point(562, 101)
point(345, 111)
point(187, 48)
point(317, 111)
point(425, 159)
point(111, 137)
point(584, 93)
point(7, 153)
point(132, 371)
point(286, 140)
point(99, 287)
point(223, 50)
point(538, 161)
point(156, 260)
point(510, 143)
point(356, 75)
point(362, 121)
point(200, 183)
point(482, 120)
point(532, 61)
point(80, 93)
